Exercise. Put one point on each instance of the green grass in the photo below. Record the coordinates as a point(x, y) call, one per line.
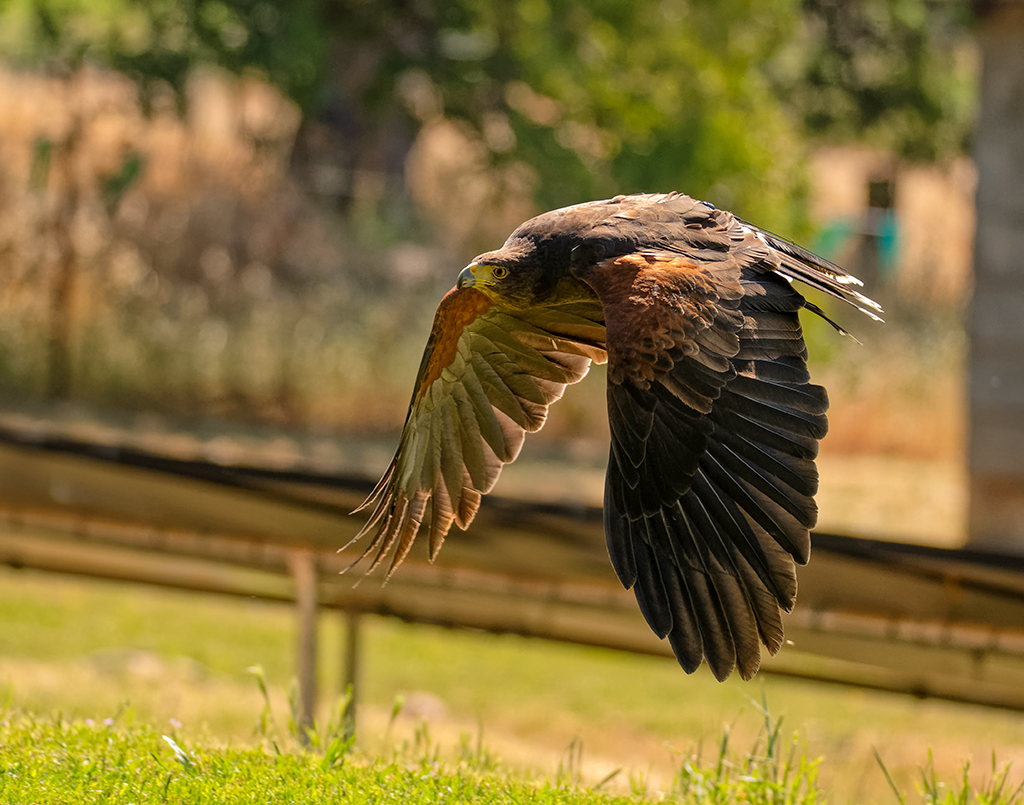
point(49, 759)
point(178, 662)
point(52, 761)
point(996, 789)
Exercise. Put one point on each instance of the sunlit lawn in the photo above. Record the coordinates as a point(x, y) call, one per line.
point(90, 649)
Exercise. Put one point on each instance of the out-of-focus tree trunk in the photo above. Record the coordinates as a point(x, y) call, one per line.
point(997, 314)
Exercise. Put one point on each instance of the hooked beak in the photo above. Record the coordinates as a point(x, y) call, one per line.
point(467, 277)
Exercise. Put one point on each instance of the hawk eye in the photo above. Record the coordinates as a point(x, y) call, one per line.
point(499, 272)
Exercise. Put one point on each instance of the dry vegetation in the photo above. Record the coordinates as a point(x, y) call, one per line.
point(212, 287)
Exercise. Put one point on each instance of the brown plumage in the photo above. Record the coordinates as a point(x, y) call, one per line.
point(709, 495)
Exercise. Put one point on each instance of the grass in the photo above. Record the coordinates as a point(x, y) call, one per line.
point(53, 761)
point(50, 759)
point(995, 790)
point(162, 662)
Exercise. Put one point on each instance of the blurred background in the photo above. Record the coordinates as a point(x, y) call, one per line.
point(247, 211)
point(225, 226)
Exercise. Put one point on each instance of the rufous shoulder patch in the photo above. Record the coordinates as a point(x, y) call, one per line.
point(655, 305)
point(459, 308)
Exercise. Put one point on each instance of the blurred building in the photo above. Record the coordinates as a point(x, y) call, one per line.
point(904, 226)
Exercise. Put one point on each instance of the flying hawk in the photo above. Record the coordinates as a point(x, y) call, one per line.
point(709, 493)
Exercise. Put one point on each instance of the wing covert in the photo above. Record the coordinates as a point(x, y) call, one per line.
point(486, 379)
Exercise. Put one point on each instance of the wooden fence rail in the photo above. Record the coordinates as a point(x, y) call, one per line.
point(924, 621)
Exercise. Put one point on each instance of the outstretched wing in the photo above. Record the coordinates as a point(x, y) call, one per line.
point(715, 427)
point(487, 378)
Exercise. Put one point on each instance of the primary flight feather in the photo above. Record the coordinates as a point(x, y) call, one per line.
point(709, 494)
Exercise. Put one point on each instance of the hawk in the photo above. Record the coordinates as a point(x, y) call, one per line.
point(709, 493)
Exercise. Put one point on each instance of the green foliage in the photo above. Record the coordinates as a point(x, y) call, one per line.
point(596, 98)
point(602, 97)
point(117, 184)
point(163, 41)
point(899, 73)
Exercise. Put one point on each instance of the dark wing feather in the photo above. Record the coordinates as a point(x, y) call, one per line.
point(711, 479)
point(721, 502)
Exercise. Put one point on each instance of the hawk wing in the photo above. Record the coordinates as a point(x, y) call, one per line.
point(709, 496)
point(486, 379)
point(711, 477)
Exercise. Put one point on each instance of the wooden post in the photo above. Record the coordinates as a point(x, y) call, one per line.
point(303, 568)
point(350, 670)
point(996, 327)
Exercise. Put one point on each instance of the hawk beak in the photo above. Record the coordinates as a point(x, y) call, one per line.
point(467, 277)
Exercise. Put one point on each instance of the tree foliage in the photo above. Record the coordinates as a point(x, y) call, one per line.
point(898, 73)
point(163, 41)
point(596, 98)
point(603, 97)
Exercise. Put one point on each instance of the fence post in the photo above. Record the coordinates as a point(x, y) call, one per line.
point(302, 563)
point(350, 669)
